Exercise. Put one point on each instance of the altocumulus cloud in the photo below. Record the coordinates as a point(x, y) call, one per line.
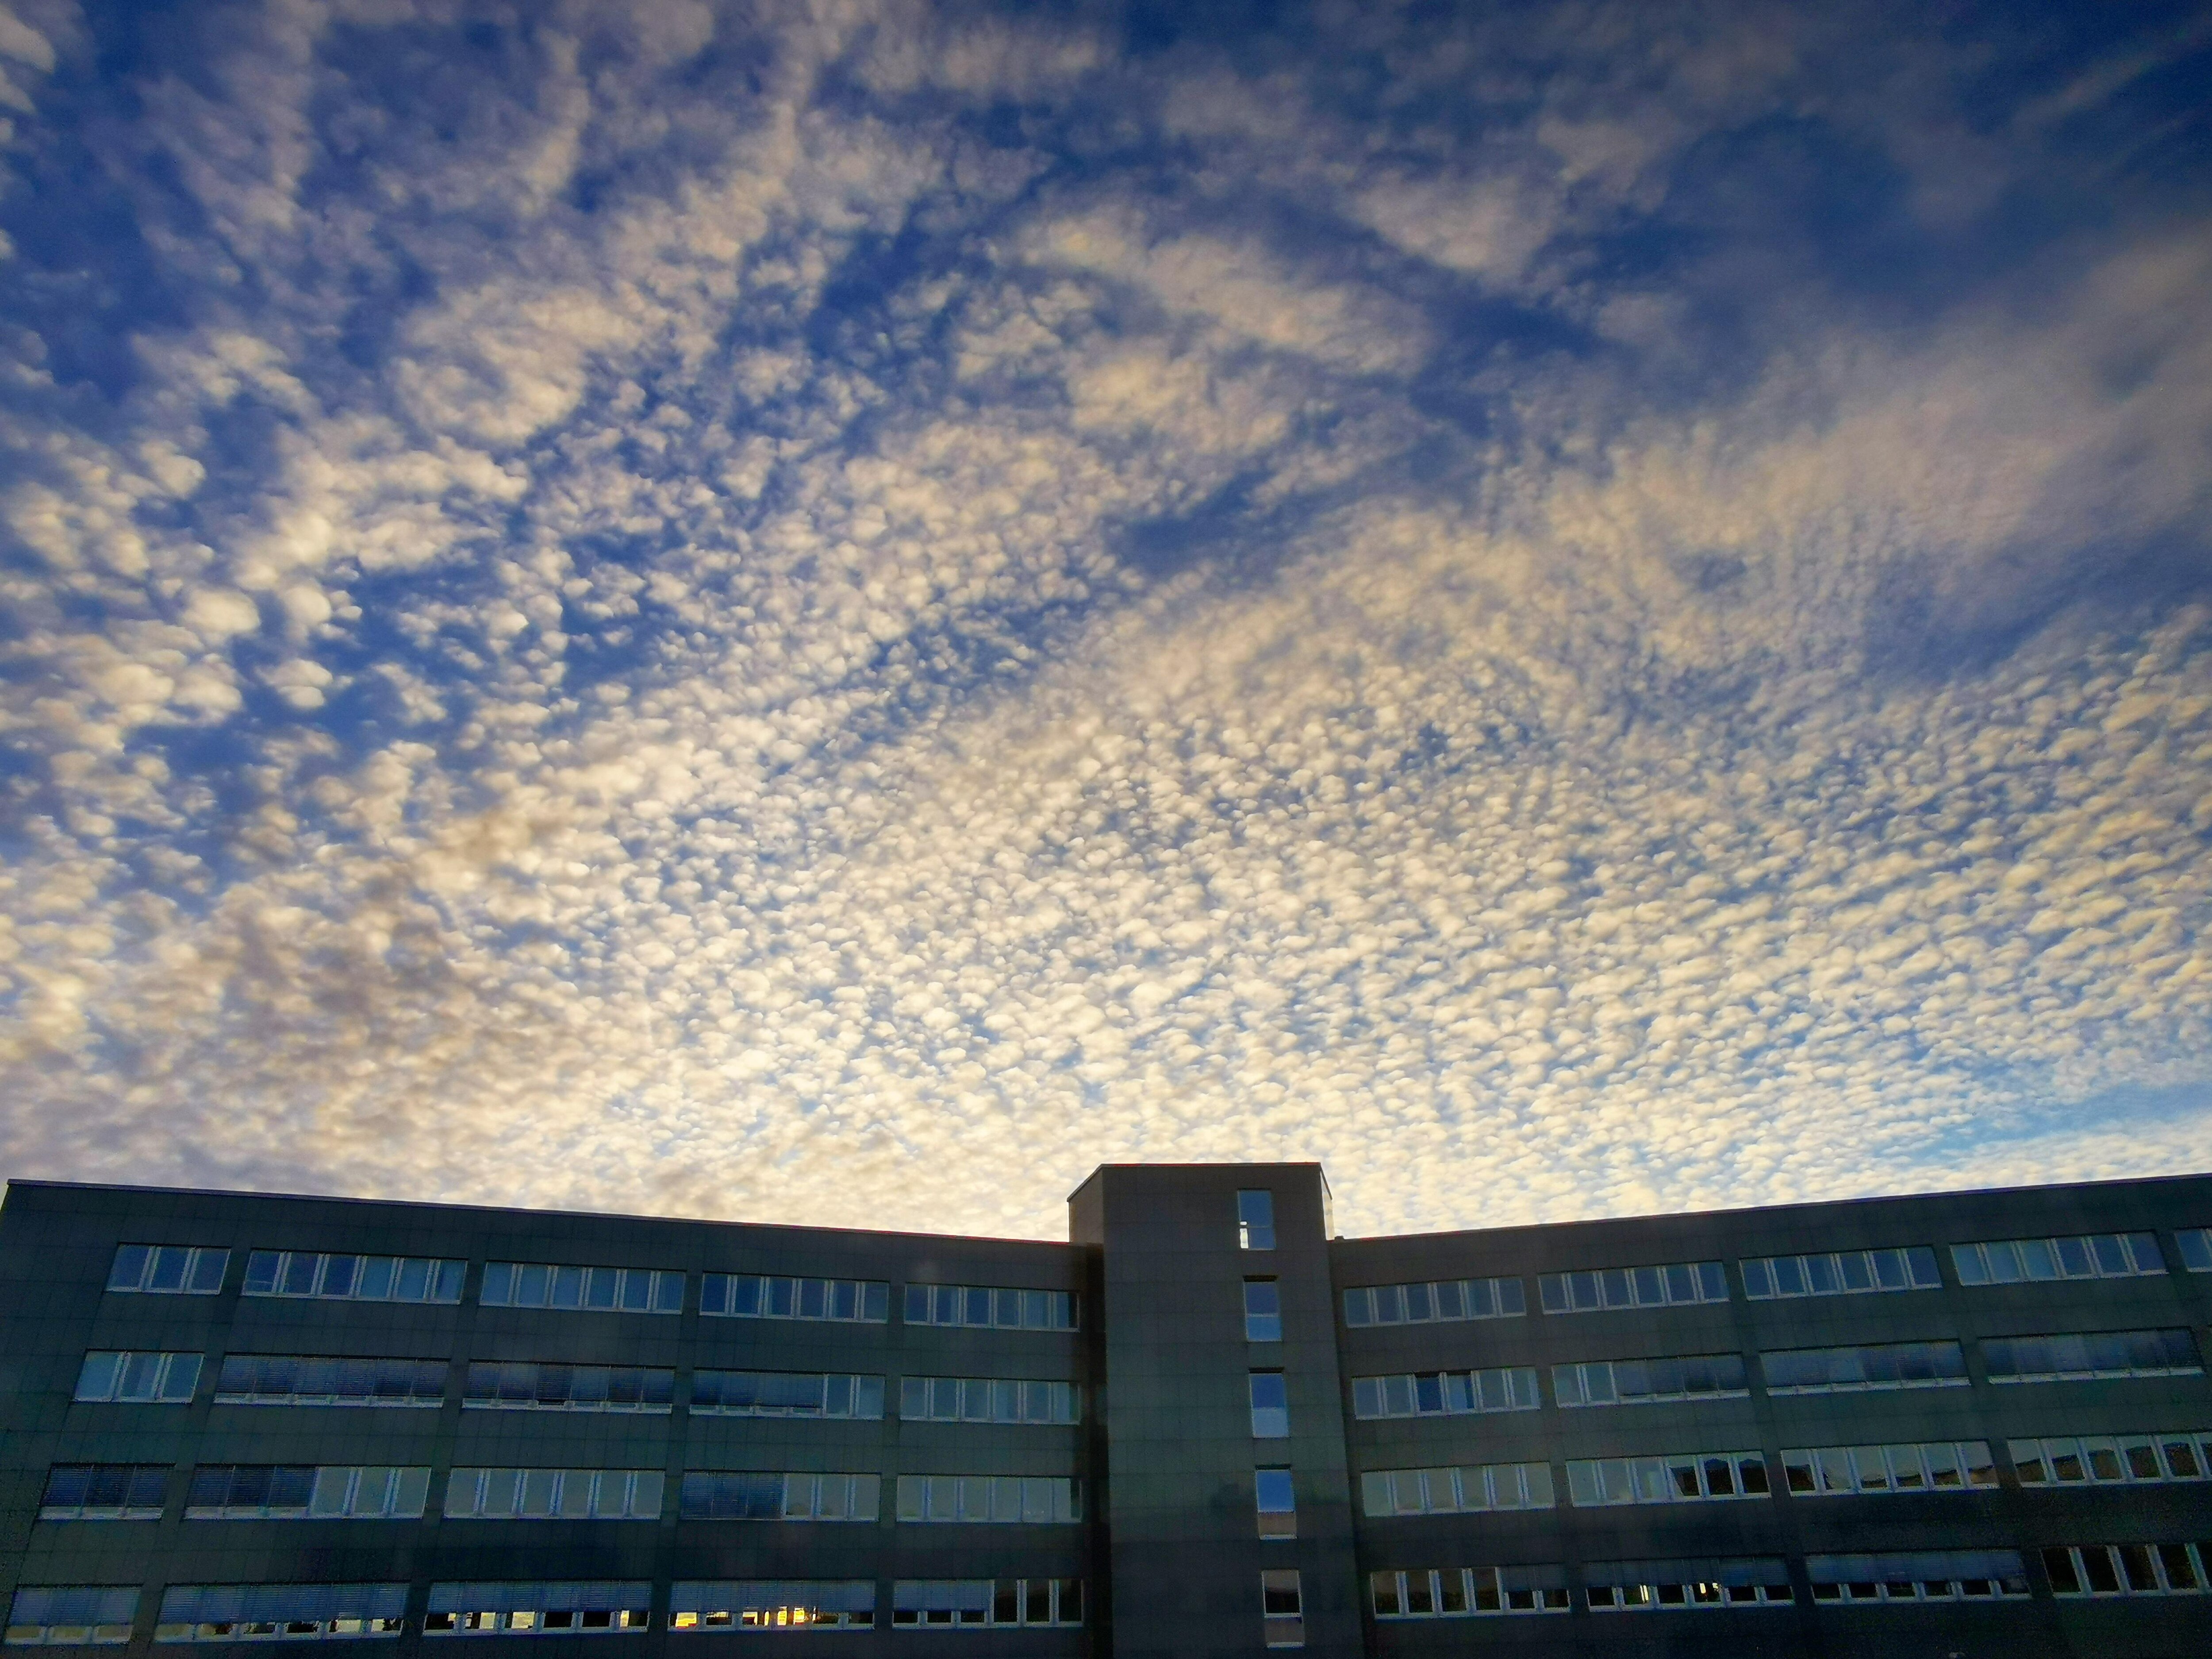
point(834, 613)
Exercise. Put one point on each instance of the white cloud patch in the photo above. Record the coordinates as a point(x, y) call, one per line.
point(836, 622)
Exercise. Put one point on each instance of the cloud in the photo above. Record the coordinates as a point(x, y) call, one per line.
point(694, 613)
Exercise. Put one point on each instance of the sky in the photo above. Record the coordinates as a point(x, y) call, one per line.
point(835, 612)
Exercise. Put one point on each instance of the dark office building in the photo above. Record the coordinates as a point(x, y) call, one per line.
point(1972, 1425)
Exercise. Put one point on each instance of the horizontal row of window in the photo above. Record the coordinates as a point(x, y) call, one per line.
point(328, 1277)
point(169, 1269)
point(2082, 1570)
point(1447, 1393)
point(1434, 1299)
point(786, 1394)
point(1683, 1478)
point(989, 1399)
point(516, 1608)
point(1855, 1369)
point(2102, 1459)
point(74, 1615)
point(2089, 1256)
point(774, 1604)
point(181, 1269)
point(794, 1496)
point(256, 1491)
point(1472, 1490)
point(1920, 1466)
point(1815, 1471)
point(1634, 1381)
point(2129, 1569)
point(763, 1296)
point(833, 1604)
point(306, 1379)
point(139, 1379)
point(105, 1491)
point(200, 1270)
point(1464, 1592)
point(339, 1492)
point(990, 1307)
point(1723, 1582)
point(270, 1380)
point(602, 1290)
point(1670, 1285)
point(1027, 1499)
point(1918, 1576)
point(1909, 1267)
point(1647, 1586)
point(1865, 1366)
point(490, 1494)
point(1840, 1272)
point(2091, 1353)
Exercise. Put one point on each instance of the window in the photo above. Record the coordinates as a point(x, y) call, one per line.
point(1282, 1608)
point(991, 1306)
point(1858, 1370)
point(2112, 1459)
point(989, 1399)
point(1276, 1498)
point(2089, 1355)
point(169, 1269)
point(353, 1278)
point(773, 1604)
point(1848, 1273)
point(1645, 1586)
point(1270, 1406)
point(270, 1379)
point(804, 1495)
point(533, 1385)
point(1005, 1498)
point(1681, 1478)
point(2196, 1249)
point(280, 1613)
point(1436, 1299)
point(1671, 1284)
point(1640, 1381)
point(2129, 1569)
point(167, 1379)
point(1263, 1311)
point(1469, 1592)
point(1255, 1220)
point(475, 1494)
point(1922, 1576)
point(1472, 1490)
point(785, 1393)
point(105, 1491)
point(2092, 1256)
point(599, 1289)
point(762, 1295)
point(262, 1491)
point(72, 1615)
point(523, 1609)
point(1918, 1466)
point(936, 1604)
point(1446, 1394)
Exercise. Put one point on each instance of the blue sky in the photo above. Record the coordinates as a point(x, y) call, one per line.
point(835, 612)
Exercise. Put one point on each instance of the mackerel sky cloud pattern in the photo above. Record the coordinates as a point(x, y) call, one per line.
point(835, 612)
